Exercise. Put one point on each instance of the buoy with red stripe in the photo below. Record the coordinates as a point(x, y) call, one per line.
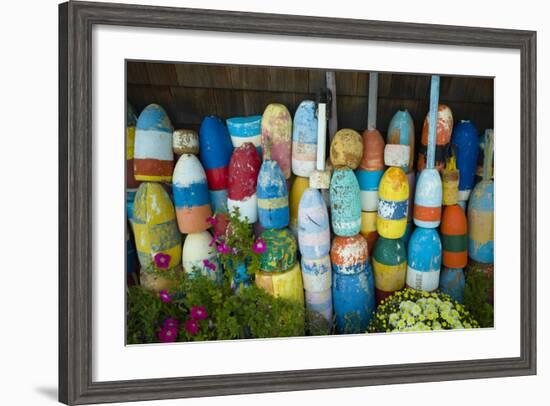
point(244, 167)
point(277, 136)
point(454, 237)
point(444, 130)
point(304, 139)
point(389, 262)
point(215, 152)
point(481, 211)
point(424, 259)
point(191, 196)
point(371, 169)
point(429, 191)
point(401, 131)
point(353, 284)
point(153, 154)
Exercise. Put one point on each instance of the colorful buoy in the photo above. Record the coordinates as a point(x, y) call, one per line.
point(449, 182)
point(454, 237)
point(191, 196)
point(397, 155)
point(428, 199)
point(281, 250)
point(346, 149)
point(481, 210)
point(452, 282)
point(158, 241)
point(304, 139)
point(199, 257)
point(465, 140)
point(299, 185)
point(389, 262)
point(444, 130)
point(243, 176)
point(277, 136)
point(393, 203)
point(287, 285)
point(345, 203)
point(371, 169)
point(273, 210)
point(313, 225)
point(215, 153)
point(401, 131)
point(349, 255)
point(353, 300)
point(131, 182)
point(424, 259)
point(246, 129)
point(317, 274)
point(185, 141)
point(153, 155)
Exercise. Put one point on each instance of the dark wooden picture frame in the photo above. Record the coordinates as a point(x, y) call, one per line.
point(76, 20)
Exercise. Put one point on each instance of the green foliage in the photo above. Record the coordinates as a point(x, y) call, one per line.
point(250, 313)
point(240, 238)
point(145, 313)
point(413, 310)
point(475, 298)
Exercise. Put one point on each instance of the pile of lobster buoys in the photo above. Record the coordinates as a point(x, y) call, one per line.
point(340, 235)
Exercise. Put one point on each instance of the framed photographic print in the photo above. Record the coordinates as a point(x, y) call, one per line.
point(260, 202)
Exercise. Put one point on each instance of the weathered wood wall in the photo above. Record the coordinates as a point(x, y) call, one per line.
point(191, 91)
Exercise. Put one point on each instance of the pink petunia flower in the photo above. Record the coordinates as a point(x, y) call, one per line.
point(198, 313)
point(212, 220)
point(165, 296)
point(192, 326)
point(168, 334)
point(223, 248)
point(259, 246)
point(170, 323)
point(209, 264)
point(162, 261)
point(214, 240)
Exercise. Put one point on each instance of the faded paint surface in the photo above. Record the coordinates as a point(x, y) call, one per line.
point(313, 225)
point(287, 285)
point(443, 137)
point(185, 141)
point(299, 185)
point(244, 168)
point(345, 203)
point(276, 136)
point(397, 155)
point(155, 228)
point(373, 151)
point(424, 259)
point(272, 192)
point(317, 274)
point(153, 155)
point(215, 151)
point(304, 139)
point(401, 131)
point(353, 299)
point(481, 222)
point(452, 283)
point(281, 250)
point(393, 196)
point(346, 149)
point(428, 199)
point(349, 255)
point(449, 180)
point(246, 129)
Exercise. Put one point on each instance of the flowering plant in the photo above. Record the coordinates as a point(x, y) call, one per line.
point(237, 246)
point(413, 310)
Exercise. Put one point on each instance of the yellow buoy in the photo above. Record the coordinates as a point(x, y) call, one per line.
point(393, 193)
point(287, 285)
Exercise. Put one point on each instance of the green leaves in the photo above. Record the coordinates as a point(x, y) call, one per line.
point(476, 293)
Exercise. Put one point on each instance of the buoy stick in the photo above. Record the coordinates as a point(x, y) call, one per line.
point(488, 155)
point(321, 135)
point(333, 119)
point(373, 100)
point(432, 121)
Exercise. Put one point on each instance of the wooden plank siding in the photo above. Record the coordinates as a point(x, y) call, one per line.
point(191, 91)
